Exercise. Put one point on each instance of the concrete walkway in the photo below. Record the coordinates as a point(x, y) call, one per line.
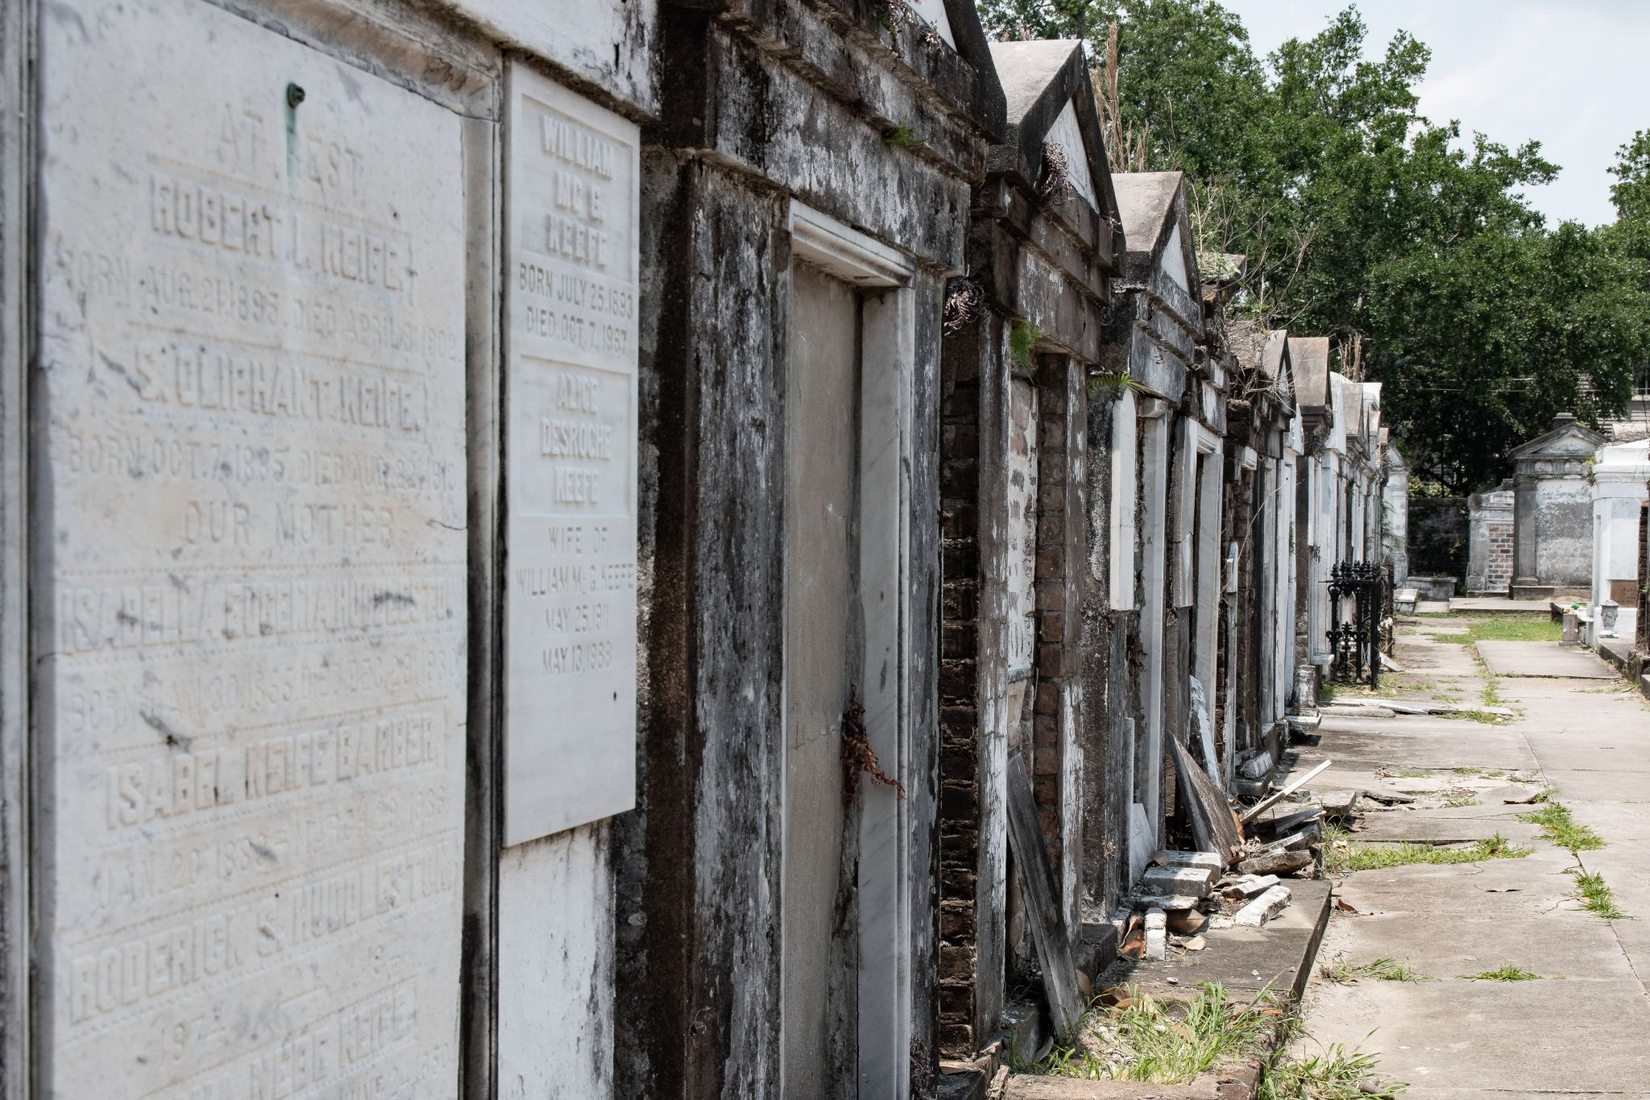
point(1583, 1027)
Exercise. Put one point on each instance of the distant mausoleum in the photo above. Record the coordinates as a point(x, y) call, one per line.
point(1552, 512)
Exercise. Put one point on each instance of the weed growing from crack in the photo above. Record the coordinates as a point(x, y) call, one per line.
point(1507, 973)
point(1459, 797)
point(1344, 857)
point(1558, 827)
point(1336, 1074)
point(1021, 337)
point(1596, 897)
point(901, 135)
point(1477, 714)
point(1383, 969)
point(1142, 1039)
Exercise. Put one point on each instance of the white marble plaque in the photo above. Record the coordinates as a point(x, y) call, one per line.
point(250, 565)
point(570, 461)
point(1020, 554)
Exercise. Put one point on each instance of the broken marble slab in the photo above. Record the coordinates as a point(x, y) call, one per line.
point(1283, 792)
point(1299, 839)
point(1164, 901)
point(1188, 859)
point(1289, 823)
point(1377, 708)
point(1389, 798)
point(1263, 908)
point(1276, 863)
point(1249, 886)
point(1177, 880)
point(1258, 766)
point(1156, 935)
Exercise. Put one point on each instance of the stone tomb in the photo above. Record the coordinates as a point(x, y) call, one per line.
point(1553, 512)
point(250, 568)
point(570, 465)
point(1490, 541)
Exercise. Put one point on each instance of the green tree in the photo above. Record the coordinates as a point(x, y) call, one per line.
point(1631, 196)
point(1412, 246)
point(1480, 344)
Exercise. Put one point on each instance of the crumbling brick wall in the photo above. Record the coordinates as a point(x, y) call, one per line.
point(1062, 541)
point(961, 773)
point(1107, 687)
point(1499, 561)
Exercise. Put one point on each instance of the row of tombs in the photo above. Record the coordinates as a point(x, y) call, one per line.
point(545, 543)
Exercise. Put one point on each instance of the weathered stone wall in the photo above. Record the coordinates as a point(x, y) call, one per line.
point(703, 882)
point(1062, 544)
point(1552, 510)
point(1107, 676)
point(1490, 552)
point(1013, 461)
point(642, 956)
point(777, 105)
point(296, 211)
point(1641, 644)
point(1395, 514)
point(1564, 532)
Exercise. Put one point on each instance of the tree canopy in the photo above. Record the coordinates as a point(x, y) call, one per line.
point(1410, 244)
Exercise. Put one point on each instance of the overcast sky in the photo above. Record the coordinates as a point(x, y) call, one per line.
point(1573, 75)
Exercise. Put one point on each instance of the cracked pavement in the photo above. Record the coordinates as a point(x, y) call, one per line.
point(1583, 1028)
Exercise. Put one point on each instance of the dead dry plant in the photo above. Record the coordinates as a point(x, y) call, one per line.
point(858, 757)
point(1126, 144)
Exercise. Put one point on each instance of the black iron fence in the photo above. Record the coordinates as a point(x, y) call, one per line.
point(1360, 595)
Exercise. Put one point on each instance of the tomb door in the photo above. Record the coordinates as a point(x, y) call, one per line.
point(822, 651)
point(846, 880)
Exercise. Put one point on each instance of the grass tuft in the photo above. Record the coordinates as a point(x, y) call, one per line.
point(1477, 714)
point(1558, 827)
point(1534, 627)
point(1382, 969)
point(1336, 1074)
point(902, 136)
point(1146, 1040)
point(1507, 973)
point(1021, 337)
point(1346, 856)
point(1596, 897)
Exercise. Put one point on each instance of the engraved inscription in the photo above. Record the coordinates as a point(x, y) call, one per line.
point(253, 616)
point(570, 634)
